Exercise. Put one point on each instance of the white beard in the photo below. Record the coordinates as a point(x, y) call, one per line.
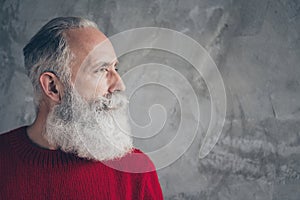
point(99, 130)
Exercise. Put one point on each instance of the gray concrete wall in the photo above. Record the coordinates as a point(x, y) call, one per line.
point(256, 46)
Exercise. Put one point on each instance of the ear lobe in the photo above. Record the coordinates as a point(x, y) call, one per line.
point(50, 86)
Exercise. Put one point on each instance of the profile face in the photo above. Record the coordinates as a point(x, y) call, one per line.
point(93, 69)
point(86, 121)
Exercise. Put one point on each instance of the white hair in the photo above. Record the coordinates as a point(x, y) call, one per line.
point(48, 50)
point(96, 130)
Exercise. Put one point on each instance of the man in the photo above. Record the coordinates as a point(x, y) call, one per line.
point(79, 146)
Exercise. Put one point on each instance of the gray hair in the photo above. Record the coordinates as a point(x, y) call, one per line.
point(48, 50)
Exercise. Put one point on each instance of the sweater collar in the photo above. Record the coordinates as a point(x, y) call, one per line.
point(33, 154)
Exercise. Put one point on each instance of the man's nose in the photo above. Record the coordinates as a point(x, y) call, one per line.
point(116, 82)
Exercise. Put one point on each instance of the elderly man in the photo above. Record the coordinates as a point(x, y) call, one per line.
point(79, 146)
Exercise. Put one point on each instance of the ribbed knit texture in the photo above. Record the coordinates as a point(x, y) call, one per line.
point(31, 172)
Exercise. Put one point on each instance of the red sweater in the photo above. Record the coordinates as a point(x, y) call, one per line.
point(30, 172)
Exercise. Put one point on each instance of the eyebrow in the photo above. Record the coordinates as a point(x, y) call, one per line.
point(103, 63)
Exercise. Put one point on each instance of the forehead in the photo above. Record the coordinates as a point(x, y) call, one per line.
point(101, 54)
point(88, 45)
point(84, 38)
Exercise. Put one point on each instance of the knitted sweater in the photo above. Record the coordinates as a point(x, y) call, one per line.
point(31, 172)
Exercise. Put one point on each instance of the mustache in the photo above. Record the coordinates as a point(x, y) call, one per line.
point(112, 101)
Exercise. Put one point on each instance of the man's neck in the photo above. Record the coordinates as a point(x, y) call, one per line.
point(36, 130)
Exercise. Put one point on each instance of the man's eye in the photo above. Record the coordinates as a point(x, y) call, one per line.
point(101, 69)
point(117, 69)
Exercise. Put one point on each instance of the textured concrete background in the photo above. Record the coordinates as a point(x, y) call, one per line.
point(256, 46)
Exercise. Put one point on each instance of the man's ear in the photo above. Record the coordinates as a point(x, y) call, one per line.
point(51, 86)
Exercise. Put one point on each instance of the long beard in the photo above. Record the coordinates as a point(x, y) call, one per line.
point(96, 130)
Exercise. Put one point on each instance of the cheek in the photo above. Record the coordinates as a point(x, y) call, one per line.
point(90, 87)
point(101, 87)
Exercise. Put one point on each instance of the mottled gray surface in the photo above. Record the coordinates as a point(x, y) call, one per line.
point(256, 46)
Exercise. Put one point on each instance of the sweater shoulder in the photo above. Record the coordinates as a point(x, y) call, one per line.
point(151, 188)
point(134, 162)
point(6, 150)
point(146, 159)
point(5, 138)
point(13, 131)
